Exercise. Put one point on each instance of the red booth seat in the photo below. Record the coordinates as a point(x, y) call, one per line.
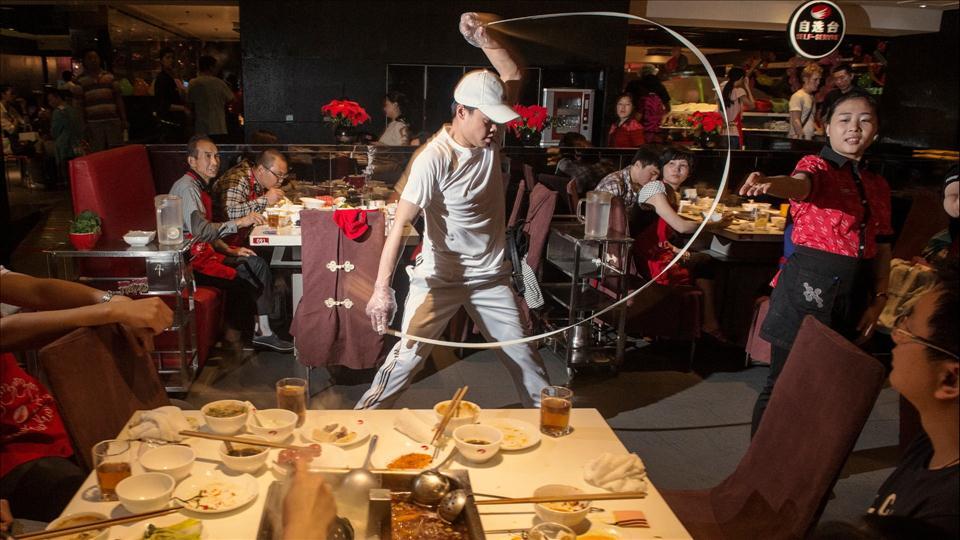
point(118, 185)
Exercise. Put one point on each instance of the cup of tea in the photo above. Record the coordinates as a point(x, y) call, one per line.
point(112, 460)
point(292, 396)
point(555, 405)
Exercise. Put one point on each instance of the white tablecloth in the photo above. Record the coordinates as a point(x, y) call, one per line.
point(513, 474)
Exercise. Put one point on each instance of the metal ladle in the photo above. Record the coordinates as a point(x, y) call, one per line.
point(358, 482)
point(451, 505)
point(429, 487)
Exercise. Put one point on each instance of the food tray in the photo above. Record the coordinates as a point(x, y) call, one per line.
point(371, 522)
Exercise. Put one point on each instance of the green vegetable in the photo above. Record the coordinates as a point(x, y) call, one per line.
point(86, 222)
point(188, 529)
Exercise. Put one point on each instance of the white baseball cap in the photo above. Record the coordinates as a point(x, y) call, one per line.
point(483, 89)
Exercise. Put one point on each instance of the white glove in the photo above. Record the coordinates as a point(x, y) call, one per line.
point(382, 307)
point(473, 29)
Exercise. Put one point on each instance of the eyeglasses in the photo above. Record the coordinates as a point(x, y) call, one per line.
point(280, 178)
point(906, 334)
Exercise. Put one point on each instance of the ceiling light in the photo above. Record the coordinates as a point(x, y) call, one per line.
point(923, 5)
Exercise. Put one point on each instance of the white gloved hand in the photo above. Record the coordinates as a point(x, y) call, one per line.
point(473, 29)
point(382, 307)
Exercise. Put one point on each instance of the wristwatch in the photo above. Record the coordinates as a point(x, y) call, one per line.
point(107, 296)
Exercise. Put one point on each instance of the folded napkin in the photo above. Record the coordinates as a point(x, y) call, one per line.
point(618, 473)
point(352, 222)
point(164, 423)
point(410, 424)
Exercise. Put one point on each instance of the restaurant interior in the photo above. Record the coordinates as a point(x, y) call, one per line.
point(652, 325)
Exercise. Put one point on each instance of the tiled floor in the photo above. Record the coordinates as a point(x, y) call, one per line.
point(690, 428)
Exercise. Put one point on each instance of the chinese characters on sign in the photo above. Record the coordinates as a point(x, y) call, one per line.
point(816, 29)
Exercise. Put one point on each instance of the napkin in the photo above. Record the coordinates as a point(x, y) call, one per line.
point(410, 424)
point(616, 473)
point(164, 423)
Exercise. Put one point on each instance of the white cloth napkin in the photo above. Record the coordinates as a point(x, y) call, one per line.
point(161, 423)
point(618, 473)
point(412, 425)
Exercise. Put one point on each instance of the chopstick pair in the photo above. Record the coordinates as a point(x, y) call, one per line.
point(452, 410)
point(568, 497)
point(239, 440)
point(97, 525)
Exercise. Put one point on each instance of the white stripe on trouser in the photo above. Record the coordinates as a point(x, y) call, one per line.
point(426, 313)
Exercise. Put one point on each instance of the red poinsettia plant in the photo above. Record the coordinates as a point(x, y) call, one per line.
point(533, 119)
point(707, 122)
point(344, 113)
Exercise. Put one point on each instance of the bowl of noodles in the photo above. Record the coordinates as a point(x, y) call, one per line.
point(569, 513)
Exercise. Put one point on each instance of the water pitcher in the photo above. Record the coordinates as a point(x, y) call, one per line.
point(169, 219)
point(597, 219)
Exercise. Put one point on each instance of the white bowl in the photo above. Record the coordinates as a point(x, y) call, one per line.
point(469, 413)
point(473, 451)
point(246, 464)
point(145, 492)
point(80, 518)
point(225, 425)
point(569, 518)
point(173, 459)
point(139, 238)
point(275, 424)
point(311, 203)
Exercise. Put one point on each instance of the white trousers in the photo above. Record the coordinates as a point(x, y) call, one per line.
point(493, 306)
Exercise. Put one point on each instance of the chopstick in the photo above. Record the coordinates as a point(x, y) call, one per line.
point(454, 405)
point(570, 497)
point(97, 524)
point(240, 440)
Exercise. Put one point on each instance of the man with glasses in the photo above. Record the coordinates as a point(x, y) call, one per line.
point(250, 187)
point(925, 486)
point(242, 274)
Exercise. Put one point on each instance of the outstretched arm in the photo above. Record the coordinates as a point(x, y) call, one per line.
point(473, 30)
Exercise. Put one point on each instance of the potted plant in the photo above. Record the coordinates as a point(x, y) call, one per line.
point(533, 119)
point(344, 115)
point(707, 126)
point(85, 230)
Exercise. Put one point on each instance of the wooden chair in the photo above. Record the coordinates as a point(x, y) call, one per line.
point(757, 348)
point(823, 398)
point(99, 377)
point(528, 177)
point(518, 204)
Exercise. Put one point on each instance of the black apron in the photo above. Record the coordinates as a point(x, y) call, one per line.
point(834, 289)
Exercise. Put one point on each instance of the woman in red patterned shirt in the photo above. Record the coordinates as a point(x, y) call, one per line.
point(841, 215)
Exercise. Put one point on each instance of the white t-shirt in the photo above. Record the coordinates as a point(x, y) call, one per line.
point(803, 102)
point(734, 110)
point(460, 191)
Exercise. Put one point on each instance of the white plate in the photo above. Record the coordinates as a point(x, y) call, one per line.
point(389, 450)
point(357, 425)
point(139, 238)
point(243, 487)
point(517, 434)
point(330, 458)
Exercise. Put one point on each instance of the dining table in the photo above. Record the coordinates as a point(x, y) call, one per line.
point(509, 473)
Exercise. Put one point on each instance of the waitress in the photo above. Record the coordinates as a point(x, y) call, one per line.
point(841, 215)
point(397, 132)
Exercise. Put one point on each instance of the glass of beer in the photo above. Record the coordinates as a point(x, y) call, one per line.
point(555, 405)
point(111, 460)
point(292, 396)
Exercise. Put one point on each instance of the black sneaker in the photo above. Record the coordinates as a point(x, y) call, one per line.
point(272, 342)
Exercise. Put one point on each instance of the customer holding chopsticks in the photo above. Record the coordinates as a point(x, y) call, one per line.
point(842, 228)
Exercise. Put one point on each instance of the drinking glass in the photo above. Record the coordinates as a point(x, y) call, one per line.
point(784, 209)
point(549, 530)
point(760, 218)
point(112, 461)
point(292, 396)
point(555, 405)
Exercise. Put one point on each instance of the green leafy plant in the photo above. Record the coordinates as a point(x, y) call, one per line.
point(86, 222)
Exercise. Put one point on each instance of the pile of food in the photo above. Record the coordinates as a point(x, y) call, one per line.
point(225, 410)
point(409, 521)
point(410, 461)
point(334, 433)
point(76, 522)
point(189, 529)
point(214, 496)
point(566, 506)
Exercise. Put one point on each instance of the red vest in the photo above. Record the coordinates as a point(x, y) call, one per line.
point(203, 257)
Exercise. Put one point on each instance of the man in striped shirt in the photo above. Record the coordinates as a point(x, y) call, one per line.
point(102, 104)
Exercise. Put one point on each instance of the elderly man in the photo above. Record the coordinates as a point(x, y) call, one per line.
point(250, 187)
point(243, 275)
point(455, 181)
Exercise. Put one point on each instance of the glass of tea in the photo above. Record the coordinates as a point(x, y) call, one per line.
point(292, 396)
point(555, 405)
point(112, 460)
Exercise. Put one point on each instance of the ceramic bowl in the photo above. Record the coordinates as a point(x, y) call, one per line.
point(145, 492)
point(247, 464)
point(275, 424)
point(466, 439)
point(469, 413)
point(225, 425)
point(173, 459)
point(553, 512)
